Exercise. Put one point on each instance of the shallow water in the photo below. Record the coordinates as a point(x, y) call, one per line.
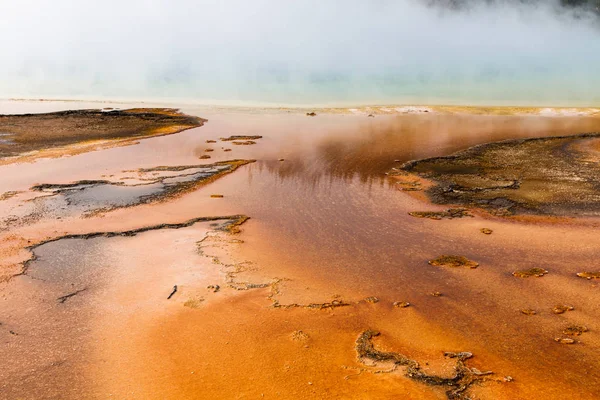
point(326, 222)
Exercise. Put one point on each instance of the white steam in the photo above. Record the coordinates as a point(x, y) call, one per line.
point(292, 52)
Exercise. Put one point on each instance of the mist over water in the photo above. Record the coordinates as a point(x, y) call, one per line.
point(338, 52)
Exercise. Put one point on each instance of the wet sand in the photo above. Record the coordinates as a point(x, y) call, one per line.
point(329, 247)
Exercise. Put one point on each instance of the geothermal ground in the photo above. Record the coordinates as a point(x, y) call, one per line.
point(407, 252)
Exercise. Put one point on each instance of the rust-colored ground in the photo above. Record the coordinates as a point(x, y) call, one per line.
point(275, 310)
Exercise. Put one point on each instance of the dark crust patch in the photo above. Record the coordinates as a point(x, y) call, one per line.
point(589, 275)
point(241, 137)
point(450, 213)
point(545, 176)
point(457, 386)
point(532, 272)
point(313, 306)
point(29, 132)
point(60, 187)
point(453, 262)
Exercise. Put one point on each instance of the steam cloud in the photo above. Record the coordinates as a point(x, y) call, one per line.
point(300, 52)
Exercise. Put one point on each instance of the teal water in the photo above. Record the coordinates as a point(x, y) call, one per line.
point(337, 52)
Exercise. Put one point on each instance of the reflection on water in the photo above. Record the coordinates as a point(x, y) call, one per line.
point(326, 218)
point(368, 150)
point(327, 205)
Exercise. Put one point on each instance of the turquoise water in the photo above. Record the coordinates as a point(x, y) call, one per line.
point(299, 53)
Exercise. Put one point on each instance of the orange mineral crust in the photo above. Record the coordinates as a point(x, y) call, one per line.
point(324, 275)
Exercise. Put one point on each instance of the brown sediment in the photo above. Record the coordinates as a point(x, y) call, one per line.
point(564, 340)
point(61, 187)
point(299, 336)
point(244, 143)
point(204, 157)
point(314, 306)
point(9, 194)
point(548, 176)
point(407, 182)
point(528, 273)
point(451, 213)
point(457, 386)
point(589, 275)
point(233, 225)
point(246, 285)
point(193, 303)
point(214, 288)
point(23, 133)
point(562, 308)
point(234, 163)
point(453, 261)
point(575, 330)
point(241, 138)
